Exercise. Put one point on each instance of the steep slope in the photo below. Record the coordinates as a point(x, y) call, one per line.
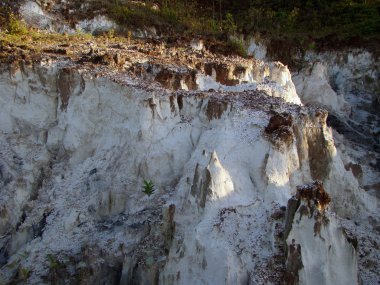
point(249, 187)
point(78, 140)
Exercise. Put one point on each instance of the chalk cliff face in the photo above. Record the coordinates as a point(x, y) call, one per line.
point(76, 149)
point(251, 186)
point(346, 83)
point(319, 251)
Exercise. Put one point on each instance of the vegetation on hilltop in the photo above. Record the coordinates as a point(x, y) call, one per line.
point(299, 25)
point(302, 21)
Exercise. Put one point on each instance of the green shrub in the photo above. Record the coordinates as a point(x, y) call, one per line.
point(229, 26)
point(237, 46)
point(16, 26)
point(148, 187)
point(170, 15)
point(139, 16)
point(177, 16)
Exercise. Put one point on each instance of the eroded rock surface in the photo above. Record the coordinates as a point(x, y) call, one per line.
point(225, 141)
point(318, 250)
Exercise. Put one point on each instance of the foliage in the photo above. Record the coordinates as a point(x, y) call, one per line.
point(15, 26)
point(299, 24)
point(315, 18)
point(340, 20)
point(237, 46)
point(137, 15)
point(229, 25)
point(148, 187)
point(110, 34)
point(298, 20)
point(24, 273)
point(53, 262)
point(177, 16)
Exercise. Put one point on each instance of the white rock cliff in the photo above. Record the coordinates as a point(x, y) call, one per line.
point(251, 185)
point(76, 149)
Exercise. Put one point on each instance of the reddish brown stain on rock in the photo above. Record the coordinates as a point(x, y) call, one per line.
point(215, 109)
point(69, 83)
point(279, 128)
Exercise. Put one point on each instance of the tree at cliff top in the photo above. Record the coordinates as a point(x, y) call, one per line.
point(296, 19)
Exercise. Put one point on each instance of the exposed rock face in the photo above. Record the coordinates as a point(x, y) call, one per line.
point(95, 151)
point(312, 144)
point(346, 83)
point(279, 128)
point(349, 71)
point(69, 83)
point(95, 143)
point(314, 88)
point(225, 142)
point(34, 15)
point(257, 49)
point(273, 78)
point(318, 250)
point(66, 16)
point(293, 264)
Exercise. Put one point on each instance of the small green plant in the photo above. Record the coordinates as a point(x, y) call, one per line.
point(110, 34)
point(312, 46)
point(24, 273)
point(53, 262)
point(229, 25)
point(148, 187)
point(129, 37)
point(79, 32)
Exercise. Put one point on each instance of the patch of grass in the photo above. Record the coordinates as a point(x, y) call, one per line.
point(16, 26)
point(16, 33)
point(35, 41)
